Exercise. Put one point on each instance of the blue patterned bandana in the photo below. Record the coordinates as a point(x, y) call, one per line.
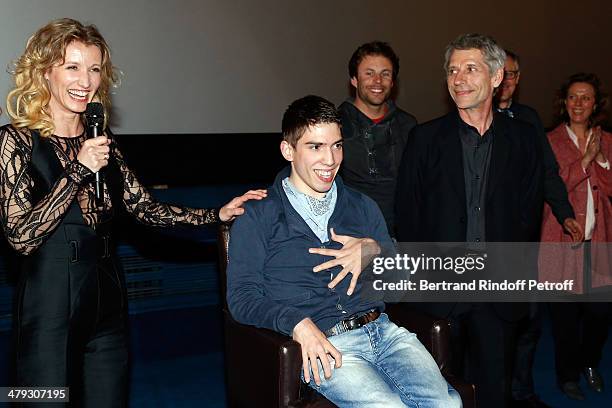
point(315, 212)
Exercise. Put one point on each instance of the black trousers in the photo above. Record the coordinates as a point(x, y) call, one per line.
point(483, 346)
point(529, 331)
point(71, 319)
point(579, 331)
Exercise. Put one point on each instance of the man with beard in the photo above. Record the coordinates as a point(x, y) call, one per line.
point(375, 130)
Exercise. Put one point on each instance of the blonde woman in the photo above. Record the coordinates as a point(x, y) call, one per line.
point(71, 315)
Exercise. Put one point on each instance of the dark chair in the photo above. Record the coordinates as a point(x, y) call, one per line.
point(263, 367)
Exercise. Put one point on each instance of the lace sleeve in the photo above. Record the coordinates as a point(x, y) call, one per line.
point(140, 204)
point(26, 225)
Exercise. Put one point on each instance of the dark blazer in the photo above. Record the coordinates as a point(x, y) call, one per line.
point(431, 201)
point(555, 192)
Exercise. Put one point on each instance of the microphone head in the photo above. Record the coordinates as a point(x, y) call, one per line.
point(94, 114)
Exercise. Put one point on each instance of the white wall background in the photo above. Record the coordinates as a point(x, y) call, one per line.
point(206, 66)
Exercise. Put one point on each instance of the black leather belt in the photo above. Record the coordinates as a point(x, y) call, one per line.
point(353, 322)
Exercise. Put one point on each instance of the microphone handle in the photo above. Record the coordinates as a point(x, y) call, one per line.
point(99, 187)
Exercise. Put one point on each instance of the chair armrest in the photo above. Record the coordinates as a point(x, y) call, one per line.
point(273, 356)
point(261, 362)
point(466, 391)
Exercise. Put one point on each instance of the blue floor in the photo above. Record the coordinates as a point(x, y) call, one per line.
point(186, 381)
point(177, 359)
point(544, 376)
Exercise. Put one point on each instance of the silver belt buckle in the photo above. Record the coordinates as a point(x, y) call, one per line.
point(344, 326)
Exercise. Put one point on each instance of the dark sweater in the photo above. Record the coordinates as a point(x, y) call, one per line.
point(372, 153)
point(270, 282)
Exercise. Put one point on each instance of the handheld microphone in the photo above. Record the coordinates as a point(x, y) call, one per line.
point(94, 116)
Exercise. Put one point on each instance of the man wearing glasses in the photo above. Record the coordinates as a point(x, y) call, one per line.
point(504, 102)
point(555, 194)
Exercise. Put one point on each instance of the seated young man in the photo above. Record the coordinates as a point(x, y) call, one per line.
point(288, 257)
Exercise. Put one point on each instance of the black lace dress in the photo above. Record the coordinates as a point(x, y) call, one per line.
point(71, 313)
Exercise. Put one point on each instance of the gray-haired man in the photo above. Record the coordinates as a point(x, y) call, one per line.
point(473, 176)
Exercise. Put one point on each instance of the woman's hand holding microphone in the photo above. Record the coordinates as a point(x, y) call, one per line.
point(94, 153)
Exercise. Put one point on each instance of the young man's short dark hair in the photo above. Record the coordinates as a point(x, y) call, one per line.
point(373, 48)
point(305, 112)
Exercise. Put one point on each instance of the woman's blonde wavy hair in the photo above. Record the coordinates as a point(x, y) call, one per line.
point(28, 103)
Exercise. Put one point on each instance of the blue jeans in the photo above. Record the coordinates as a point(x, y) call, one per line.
point(384, 365)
